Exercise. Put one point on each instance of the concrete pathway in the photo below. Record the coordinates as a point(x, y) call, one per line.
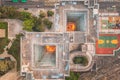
point(5, 53)
point(11, 75)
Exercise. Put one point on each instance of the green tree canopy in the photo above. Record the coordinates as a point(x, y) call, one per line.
point(28, 24)
point(50, 13)
point(25, 15)
point(8, 12)
point(80, 60)
point(41, 28)
point(47, 23)
point(15, 50)
point(73, 76)
point(42, 14)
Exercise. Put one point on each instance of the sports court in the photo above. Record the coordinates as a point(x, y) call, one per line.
point(110, 22)
point(107, 43)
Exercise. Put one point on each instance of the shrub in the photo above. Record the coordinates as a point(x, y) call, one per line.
point(15, 50)
point(28, 24)
point(25, 16)
point(80, 60)
point(42, 14)
point(73, 76)
point(50, 13)
point(47, 23)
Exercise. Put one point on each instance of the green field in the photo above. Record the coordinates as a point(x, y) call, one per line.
point(105, 39)
point(15, 50)
point(4, 25)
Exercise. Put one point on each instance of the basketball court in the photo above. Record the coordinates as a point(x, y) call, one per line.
point(107, 43)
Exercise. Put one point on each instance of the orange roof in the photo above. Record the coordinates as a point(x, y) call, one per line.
point(50, 49)
point(71, 26)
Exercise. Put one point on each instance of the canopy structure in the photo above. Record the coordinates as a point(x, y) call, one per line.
point(23, 1)
point(14, 0)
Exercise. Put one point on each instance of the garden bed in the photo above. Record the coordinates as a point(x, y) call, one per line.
point(4, 41)
point(80, 60)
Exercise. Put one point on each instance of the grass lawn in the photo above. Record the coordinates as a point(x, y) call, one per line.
point(4, 25)
point(4, 41)
point(80, 60)
point(73, 76)
point(107, 41)
point(15, 50)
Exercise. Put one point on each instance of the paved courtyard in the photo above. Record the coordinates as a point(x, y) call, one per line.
point(14, 27)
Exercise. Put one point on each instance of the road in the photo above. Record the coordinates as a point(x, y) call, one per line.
point(29, 4)
point(108, 69)
point(105, 5)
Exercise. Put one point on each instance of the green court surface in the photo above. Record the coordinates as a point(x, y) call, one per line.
point(107, 42)
point(107, 24)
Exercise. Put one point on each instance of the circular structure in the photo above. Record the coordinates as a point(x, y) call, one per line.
point(107, 41)
point(77, 55)
point(100, 41)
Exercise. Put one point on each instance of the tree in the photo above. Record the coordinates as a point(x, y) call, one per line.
point(47, 23)
point(12, 12)
point(8, 12)
point(38, 21)
point(41, 28)
point(28, 24)
point(42, 14)
point(15, 50)
point(80, 60)
point(50, 13)
point(25, 15)
point(73, 76)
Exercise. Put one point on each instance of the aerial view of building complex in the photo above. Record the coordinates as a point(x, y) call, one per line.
point(59, 39)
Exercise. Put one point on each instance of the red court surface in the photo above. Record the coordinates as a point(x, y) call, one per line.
point(107, 51)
